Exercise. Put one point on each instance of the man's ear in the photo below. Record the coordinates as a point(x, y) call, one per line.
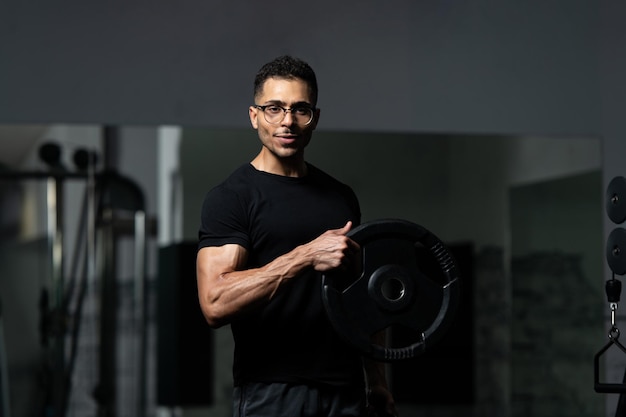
point(253, 112)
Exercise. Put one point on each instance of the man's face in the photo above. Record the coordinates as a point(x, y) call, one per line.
point(287, 138)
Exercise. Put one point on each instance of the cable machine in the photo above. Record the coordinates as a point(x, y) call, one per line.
point(113, 207)
point(615, 205)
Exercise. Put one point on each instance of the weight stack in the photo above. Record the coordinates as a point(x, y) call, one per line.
point(185, 351)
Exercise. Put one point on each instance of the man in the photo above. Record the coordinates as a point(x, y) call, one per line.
point(267, 234)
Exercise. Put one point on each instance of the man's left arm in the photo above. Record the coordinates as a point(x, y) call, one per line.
point(380, 401)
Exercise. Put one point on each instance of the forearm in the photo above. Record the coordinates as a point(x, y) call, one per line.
point(235, 291)
point(375, 371)
point(227, 289)
point(379, 397)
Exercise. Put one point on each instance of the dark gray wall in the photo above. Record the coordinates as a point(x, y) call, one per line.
point(462, 66)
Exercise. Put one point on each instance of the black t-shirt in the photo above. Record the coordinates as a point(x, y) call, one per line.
point(290, 339)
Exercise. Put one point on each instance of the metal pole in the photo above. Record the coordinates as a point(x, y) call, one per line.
point(140, 309)
point(59, 385)
point(105, 393)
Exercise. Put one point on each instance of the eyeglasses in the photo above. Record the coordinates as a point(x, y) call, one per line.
point(275, 114)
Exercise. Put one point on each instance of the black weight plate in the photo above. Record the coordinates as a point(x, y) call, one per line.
point(616, 251)
point(616, 200)
point(418, 302)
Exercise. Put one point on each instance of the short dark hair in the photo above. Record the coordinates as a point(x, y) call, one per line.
point(288, 67)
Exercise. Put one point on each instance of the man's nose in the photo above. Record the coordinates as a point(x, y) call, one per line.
point(288, 119)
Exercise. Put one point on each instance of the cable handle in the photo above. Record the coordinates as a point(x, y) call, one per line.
point(613, 289)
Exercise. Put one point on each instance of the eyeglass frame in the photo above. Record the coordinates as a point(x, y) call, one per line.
point(285, 110)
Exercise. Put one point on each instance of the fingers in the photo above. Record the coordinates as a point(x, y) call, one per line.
point(333, 249)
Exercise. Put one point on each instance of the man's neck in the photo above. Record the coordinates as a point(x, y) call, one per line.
point(287, 167)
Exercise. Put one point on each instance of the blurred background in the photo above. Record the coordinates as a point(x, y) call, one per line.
point(496, 126)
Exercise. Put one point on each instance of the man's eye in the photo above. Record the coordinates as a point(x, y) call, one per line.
point(302, 111)
point(273, 109)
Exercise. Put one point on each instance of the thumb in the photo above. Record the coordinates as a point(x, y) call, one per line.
point(346, 228)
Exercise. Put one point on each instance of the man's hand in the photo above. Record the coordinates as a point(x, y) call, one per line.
point(380, 402)
point(333, 249)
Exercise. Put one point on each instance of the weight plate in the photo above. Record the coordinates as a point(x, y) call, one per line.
point(616, 251)
point(392, 289)
point(616, 200)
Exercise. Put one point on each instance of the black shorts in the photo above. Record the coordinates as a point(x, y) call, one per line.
point(289, 400)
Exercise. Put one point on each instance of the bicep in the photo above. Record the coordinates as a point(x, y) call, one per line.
point(214, 261)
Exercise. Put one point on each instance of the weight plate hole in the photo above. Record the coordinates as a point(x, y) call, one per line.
point(392, 289)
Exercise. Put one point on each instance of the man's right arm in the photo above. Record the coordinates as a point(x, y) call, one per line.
point(226, 290)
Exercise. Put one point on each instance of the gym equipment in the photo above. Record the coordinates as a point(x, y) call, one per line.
point(615, 206)
point(616, 251)
point(121, 212)
point(185, 349)
point(615, 203)
point(391, 289)
point(113, 208)
point(613, 290)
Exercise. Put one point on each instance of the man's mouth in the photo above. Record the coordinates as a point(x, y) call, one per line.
point(285, 134)
point(287, 137)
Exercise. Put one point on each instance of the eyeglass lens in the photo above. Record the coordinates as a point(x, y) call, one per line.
point(275, 114)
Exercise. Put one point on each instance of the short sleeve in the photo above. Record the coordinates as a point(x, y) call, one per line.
point(223, 219)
